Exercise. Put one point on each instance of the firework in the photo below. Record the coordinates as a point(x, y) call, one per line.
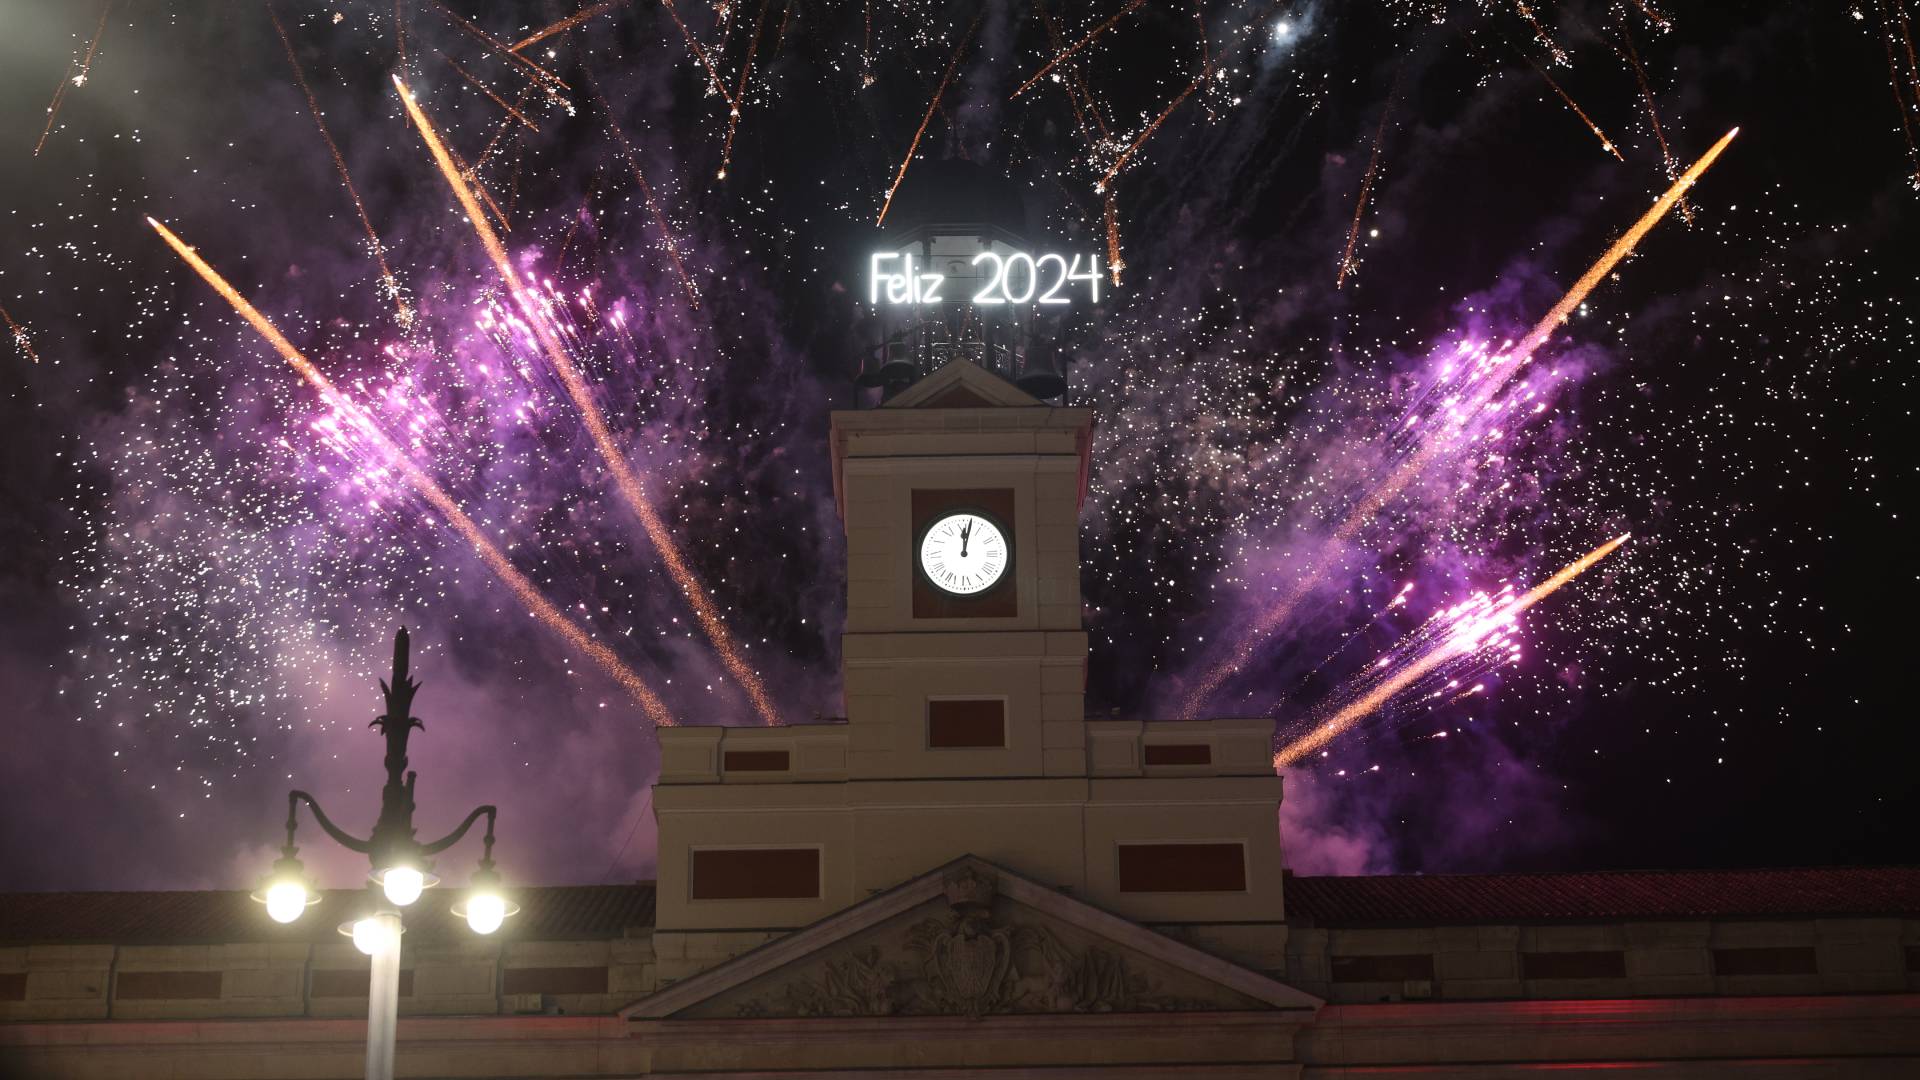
point(73, 77)
point(1494, 373)
point(1540, 32)
point(1653, 115)
point(1467, 628)
point(499, 47)
point(1605, 143)
point(624, 478)
point(740, 95)
point(1206, 69)
point(713, 73)
point(424, 485)
point(667, 237)
point(388, 282)
point(485, 89)
point(567, 23)
point(913, 145)
point(1104, 25)
point(1366, 186)
point(19, 334)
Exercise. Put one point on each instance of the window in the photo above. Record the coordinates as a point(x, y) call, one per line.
point(755, 874)
point(966, 723)
point(1183, 868)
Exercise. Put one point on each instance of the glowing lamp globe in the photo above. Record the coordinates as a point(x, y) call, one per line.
point(485, 913)
point(485, 907)
point(287, 891)
point(286, 900)
point(374, 933)
point(403, 885)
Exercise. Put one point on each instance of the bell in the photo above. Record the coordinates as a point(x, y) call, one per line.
point(899, 372)
point(1040, 378)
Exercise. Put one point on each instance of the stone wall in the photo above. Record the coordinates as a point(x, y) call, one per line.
point(1605, 960)
point(179, 982)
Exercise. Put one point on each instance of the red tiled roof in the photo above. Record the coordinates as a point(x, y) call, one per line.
point(1649, 894)
point(549, 913)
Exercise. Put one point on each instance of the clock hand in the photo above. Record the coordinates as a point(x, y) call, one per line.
point(964, 531)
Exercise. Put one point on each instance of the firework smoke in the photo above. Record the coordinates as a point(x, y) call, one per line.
point(425, 486)
point(1467, 629)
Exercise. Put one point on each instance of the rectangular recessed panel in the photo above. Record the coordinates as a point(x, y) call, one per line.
point(1183, 868)
point(554, 980)
point(167, 985)
point(1783, 960)
point(756, 761)
point(1598, 964)
point(756, 874)
point(1179, 754)
point(971, 723)
point(1351, 969)
point(347, 984)
point(13, 986)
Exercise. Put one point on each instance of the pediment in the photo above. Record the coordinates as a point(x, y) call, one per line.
point(970, 939)
point(961, 384)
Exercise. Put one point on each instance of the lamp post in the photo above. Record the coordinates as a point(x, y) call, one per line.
point(401, 869)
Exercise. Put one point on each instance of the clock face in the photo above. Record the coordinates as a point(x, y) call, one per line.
point(964, 553)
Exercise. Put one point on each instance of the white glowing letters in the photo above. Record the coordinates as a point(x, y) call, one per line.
point(896, 277)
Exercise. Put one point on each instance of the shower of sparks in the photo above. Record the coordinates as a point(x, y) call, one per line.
point(740, 94)
point(1490, 375)
point(1605, 143)
point(624, 478)
point(75, 75)
point(1206, 72)
point(1653, 115)
point(1479, 625)
point(717, 84)
point(567, 23)
point(19, 335)
point(488, 91)
point(500, 48)
point(350, 417)
point(1901, 105)
point(1540, 32)
point(390, 286)
point(913, 145)
point(1102, 27)
point(668, 240)
point(1366, 186)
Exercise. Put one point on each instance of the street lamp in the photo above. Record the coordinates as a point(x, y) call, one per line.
point(401, 870)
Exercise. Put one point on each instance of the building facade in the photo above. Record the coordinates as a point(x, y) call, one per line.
point(967, 877)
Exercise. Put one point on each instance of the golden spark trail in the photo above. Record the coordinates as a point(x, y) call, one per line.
point(428, 488)
point(387, 280)
point(712, 72)
point(740, 95)
point(1605, 143)
point(932, 106)
point(506, 125)
point(1362, 707)
point(1620, 249)
point(1653, 16)
point(667, 237)
point(1115, 263)
point(1105, 24)
point(1540, 32)
point(483, 88)
point(1366, 185)
point(1646, 94)
point(1899, 99)
point(68, 78)
point(1376, 500)
point(20, 336)
point(498, 46)
point(1121, 162)
point(566, 24)
point(624, 478)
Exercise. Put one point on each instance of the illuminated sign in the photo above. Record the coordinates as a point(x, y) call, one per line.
point(898, 277)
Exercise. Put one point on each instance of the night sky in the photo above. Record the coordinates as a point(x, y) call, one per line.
point(202, 562)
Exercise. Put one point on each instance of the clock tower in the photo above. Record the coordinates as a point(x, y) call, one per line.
point(964, 673)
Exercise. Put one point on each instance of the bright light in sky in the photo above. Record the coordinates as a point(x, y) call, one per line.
point(1282, 30)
